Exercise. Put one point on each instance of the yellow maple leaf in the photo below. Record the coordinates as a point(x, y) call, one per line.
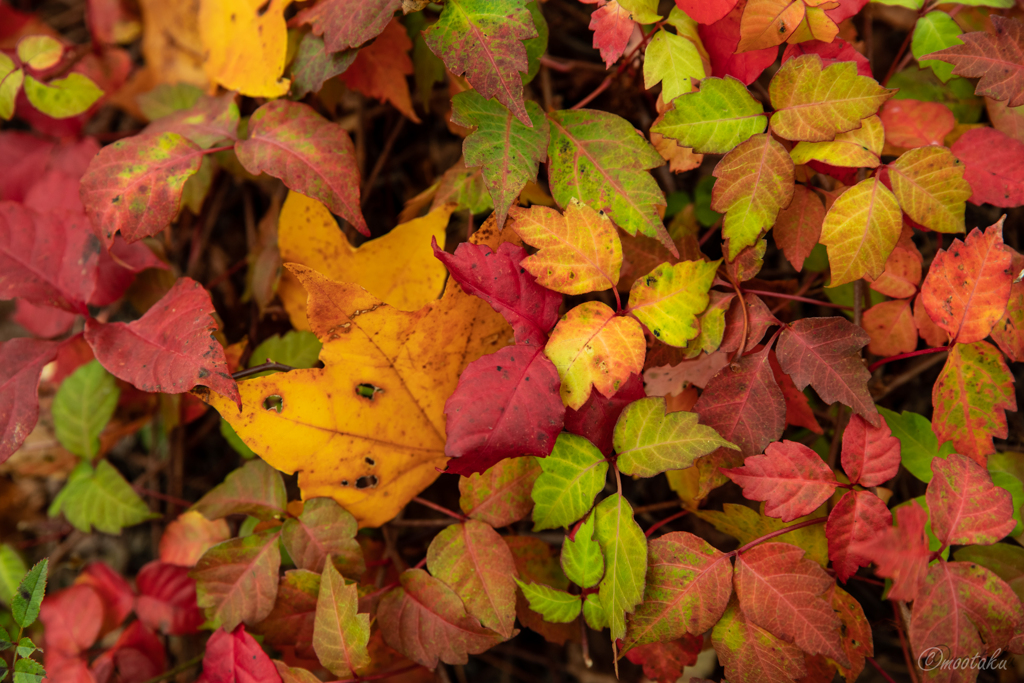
point(245, 43)
point(368, 428)
point(398, 268)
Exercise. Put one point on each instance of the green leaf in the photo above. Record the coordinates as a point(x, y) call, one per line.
point(582, 560)
point(702, 194)
point(1004, 559)
point(593, 612)
point(313, 65)
point(933, 32)
point(26, 602)
point(674, 62)
point(25, 647)
point(10, 85)
point(1007, 472)
point(64, 97)
point(601, 160)
point(957, 94)
point(483, 40)
point(573, 475)
point(535, 47)
point(860, 230)
point(909, 4)
point(28, 671)
point(340, 635)
point(166, 99)
point(100, 498)
point(5, 640)
point(428, 69)
point(509, 152)
point(918, 445)
point(297, 348)
point(746, 524)
point(237, 581)
point(554, 605)
point(254, 489)
point(625, 552)
point(12, 570)
point(83, 406)
point(669, 298)
point(714, 120)
point(40, 52)
point(649, 441)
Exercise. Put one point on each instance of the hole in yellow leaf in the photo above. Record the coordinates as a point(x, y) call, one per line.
point(274, 402)
point(369, 482)
point(367, 390)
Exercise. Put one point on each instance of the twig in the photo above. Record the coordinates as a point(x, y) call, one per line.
point(793, 297)
point(622, 67)
point(658, 525)
point(379, 165)
point(903, 641)
point(910, 374)
point(444, 521)
point(440, 508)
point(880, 670)
point(779, 532)
point(180, 502)
point(837, 436)
point(900, 356)
point(655, 507)
point(263, 367)
point(184, 666)
point(746, 320)
point(597, 91)
point(858, 302)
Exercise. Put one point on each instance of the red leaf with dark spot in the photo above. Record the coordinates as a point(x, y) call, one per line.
point(871, 455)
point(858, 517)
point(167, 599)
point(595, 420)
point(236, 657)
point(170, 349)
point(664, 662)
point(900, 553)
point(505, 405)
point(792, 479)
point(21, 362)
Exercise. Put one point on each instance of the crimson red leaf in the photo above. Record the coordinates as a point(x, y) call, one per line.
point(846, 9)
point(47, 258)
point(798, 408)
point(236, 657)
point(498, 279)
point(994, 166)
point(995, 56)
point(26, 158)
point(136, 657)
point(837, 51)
point(310, 154)
point(744, 404)
point(72, 619)
point(664, 662)
point(114, 591)
point(170, 349)
point(858, 517)
point(42, 321)
point(751, 653)
point(871, 455)
point(825, 353)
point(706, 12)
point(721, 39)
point(118, 267)
point(55, 190)
point(505, 405)
point(291, 622)
point(348, 23)
point(790, 478)
point(901, 553)
point(787, 594)
point(759, 319)
point(167, 599)
point(965, 506)
point(595, 420)
point(21, 362)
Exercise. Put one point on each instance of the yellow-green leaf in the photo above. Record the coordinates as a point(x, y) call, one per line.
point(39, 52)
point(99, 498)
point(558, 607)
point(10, 86)
point(582, 559)
point(674, 62)
point(625, 552)
point(861, 230)
point(340, 635)
point(858, 148)
point(715, 119)
point(669, 298)
point(64, 97)
point(930, 187)
point(573, 475)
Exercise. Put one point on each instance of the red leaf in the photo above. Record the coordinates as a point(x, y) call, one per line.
point(595, 420)
point(188, 537)
point(751, 653)
point(858, 517)
point(994, 166)
point(744, 404)
point(798, 408)
point(612, 25)
point(21, 362)
point(66, 669)
point(310, 154)
point(845, 175)
point(72, 354)
point(170, 349)
point(348, 23)
point(209, 121)
point(871, 455)
point(72, 619)
point(380, 68)
point(790, 478)
point(786, 594)
point(706, 12)
point(291, 622)
point(1008, 332)
point(48, 259)
point(798, 226)
point(825, 353)
point(118, 267)
point(167, 599)
point(911, 123)
point(26, 157)
point(55, 190)
point(498, 279)
point(837, 51)
point(721, 39)
point(505, 405)
point(664, 662)
point(136, 657)
point(846, 9)
point(901, 553)
point(996, 57)
point(965, 506)
point(759, 319)
point(236, 657)
point(114, 591)
point(42, 321)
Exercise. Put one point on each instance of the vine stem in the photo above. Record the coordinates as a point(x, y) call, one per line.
point(622, 67)
point(184, 666)
point(440, 508)
point(779, 532)
point(903, 641)
point(746, 320)
point(263, 367)
point(794, 297)
point(900, 356)
point(880, 670)
point(658, 525)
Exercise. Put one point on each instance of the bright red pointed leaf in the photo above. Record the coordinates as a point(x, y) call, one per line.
point(290, 624)
point(664, 662)
point(426, 621)
point(596, 419)
point(798, 408)
point(167, 599)
point(21, 362)
point(706, 12)
point(785, 593)
point(47, 258)
point(792, 479)
point(798, 227)
point(498, 279)
point(189, 536)
point(901, 553)
point(997, 58)
point(135, 185)
point(114, 591)
point(968, 285)
point(310, 154)
point(912, 123)
point(1008, 332)
point(170, 349)
point(966, 608)
point(966, 507)
point(871, 455)
point(348, 23)
point(837, 51)
point(118, 267)
point(994, 166)
point(379, 69)
point(73, 619)
point(42, 321)
point(858, 517)
point(825, 353)
point(720, 40)
point(137, 656)
point(689, 584)
point(612, 25)
point(744, 404)
point(237, 657)
point(505, 405)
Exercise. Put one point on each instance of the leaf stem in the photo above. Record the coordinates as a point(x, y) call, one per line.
point(778, 532)
point(903, 641)
point(746, 320)
point(378, 677)
point(880, 670)
point(440, 508)
point(263, 367)
point(180, 502)
point(659, 524)
point(214, 150)
point(622, 67)
point(184, 666)
point(900, 356)
point(794, 297)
